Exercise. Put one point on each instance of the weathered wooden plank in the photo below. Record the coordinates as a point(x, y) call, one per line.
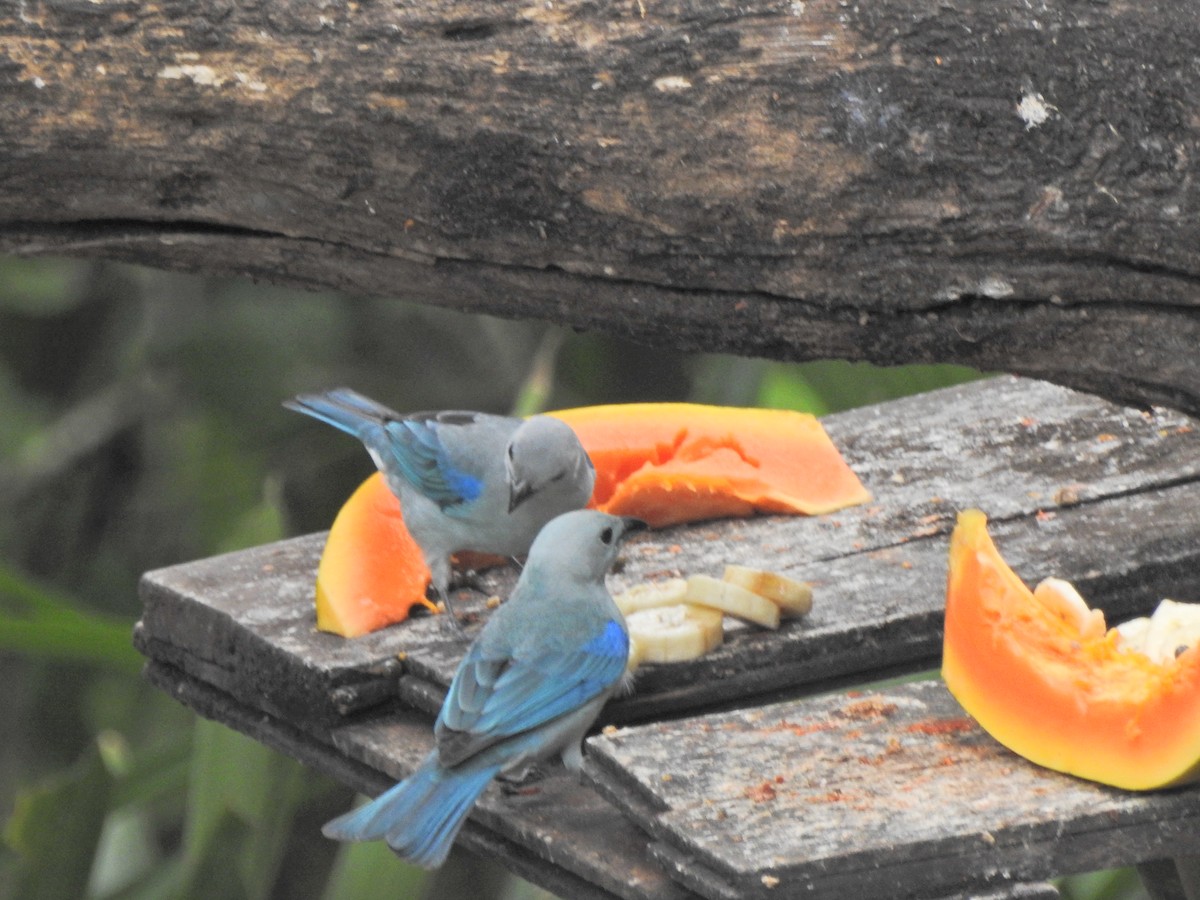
point(557, 832)
point(598, 842)
point(894, 793)
point(244, 621)
point(556, 818)
point(1004, 186)
point(690, 870)
point(883, 609)
point(1107, 496)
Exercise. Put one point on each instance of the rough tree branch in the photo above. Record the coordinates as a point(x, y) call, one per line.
point(1004, 185)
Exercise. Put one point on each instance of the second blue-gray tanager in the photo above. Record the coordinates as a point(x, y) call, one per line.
point(528, 688)
point(465, 480)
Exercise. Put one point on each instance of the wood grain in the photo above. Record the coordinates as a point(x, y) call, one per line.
point(1103, 495)
point(586, 851)
point(1106, 496)
point(896, 793)
point(1010, 187)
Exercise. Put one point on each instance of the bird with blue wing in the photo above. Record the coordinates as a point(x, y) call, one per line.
point(465, 480)
point(529, 687)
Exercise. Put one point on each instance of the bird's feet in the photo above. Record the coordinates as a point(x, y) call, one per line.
point(443, 600)
point(469, 579)
point(521, 782)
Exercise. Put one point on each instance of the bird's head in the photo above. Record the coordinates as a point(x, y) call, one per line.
point(545, 454)
point(581, 545)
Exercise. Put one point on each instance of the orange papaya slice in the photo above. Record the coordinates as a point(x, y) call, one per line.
point(669, 463)
point(371, 571)
point(1042, 675)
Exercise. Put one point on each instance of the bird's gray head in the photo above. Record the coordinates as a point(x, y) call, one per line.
point(544, 453)
point(582, 544)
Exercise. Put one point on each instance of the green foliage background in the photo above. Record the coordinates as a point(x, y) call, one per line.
point(142, 427)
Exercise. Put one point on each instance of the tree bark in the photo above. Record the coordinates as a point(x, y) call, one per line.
point(1005, 185)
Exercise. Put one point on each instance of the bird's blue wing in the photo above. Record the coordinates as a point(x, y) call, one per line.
point(493, 698)
point(345, 409)
point(416, 449)
point(410, 446)
point(534, 691)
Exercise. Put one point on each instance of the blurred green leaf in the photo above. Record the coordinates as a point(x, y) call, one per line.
point(831, 385)
point(207, 476)
point(241, 801)
point(38, 622)
point(261, 524)
point(20, 414)
point(41, 287)
point(519, 889)
point(19, 595)
point(219, 871)
point(371, 870)
point(161, 882)
point(724, 380)
point(153, 774)
point(1107, 884)
point(126, 854)
point(787, 388)
point(534, 393)
point(466, 874)
point(55, 829)
point(77, 639)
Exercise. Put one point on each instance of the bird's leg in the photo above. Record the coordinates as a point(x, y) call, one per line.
point(522, 781)
point(470, 579)
point(444, 597)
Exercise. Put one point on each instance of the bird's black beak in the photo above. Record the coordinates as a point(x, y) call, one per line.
point(630, 525)
point(518, 493)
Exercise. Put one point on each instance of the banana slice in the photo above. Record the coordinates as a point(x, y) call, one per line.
point(650, 594)
point(665, 634)
point(676, 620)
point(794, 598)
point(1173, 626)
point(1061, 598)
point(1133, 633)
point(730, 598)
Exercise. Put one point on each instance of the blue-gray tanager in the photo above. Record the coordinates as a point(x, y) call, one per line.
point(529, 687)
point(466, 480)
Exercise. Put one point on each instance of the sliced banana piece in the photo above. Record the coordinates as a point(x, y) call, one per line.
point(1173, 626)
point(1061, 598)
point(650, 594)
point(664, 634)
point(1133, 633)
point(732, 599)
point(794, 598)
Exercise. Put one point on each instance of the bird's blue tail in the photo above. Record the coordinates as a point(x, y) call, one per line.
point(420, 816)
point(345, 409)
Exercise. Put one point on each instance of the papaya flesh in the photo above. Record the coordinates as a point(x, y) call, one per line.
point(669, 463)
point(371, 570)
point(1043, 676)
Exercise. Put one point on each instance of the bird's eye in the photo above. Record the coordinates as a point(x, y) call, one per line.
point(606, 535)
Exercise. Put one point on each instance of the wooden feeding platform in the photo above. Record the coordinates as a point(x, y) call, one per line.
point(1006, 186)
point(771, 767)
